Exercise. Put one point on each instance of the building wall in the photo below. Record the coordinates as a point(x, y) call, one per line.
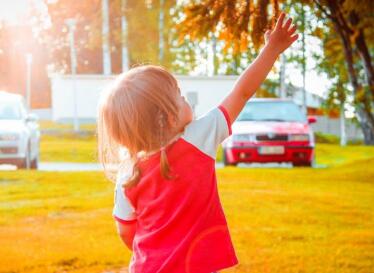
point(209, 92)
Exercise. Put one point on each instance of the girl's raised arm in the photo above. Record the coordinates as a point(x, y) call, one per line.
point(276, 41)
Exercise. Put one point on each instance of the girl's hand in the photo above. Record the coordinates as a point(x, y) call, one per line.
point(282, 36)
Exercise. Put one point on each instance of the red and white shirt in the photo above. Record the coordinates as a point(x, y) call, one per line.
point(180, 223)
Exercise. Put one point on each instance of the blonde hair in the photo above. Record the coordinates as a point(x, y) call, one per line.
point(133, 117)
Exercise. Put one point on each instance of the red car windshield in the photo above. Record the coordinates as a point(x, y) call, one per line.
point(271, 111)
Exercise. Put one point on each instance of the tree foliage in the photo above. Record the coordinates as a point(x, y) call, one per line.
point(87, 35)
point(143, 34)
point(237, 22)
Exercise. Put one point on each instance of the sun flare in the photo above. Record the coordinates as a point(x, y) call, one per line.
point(13, 11)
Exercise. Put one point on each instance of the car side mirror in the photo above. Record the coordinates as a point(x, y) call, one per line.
point(312, 119)
point(32, 118)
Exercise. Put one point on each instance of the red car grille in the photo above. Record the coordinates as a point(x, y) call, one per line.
point(272, 137)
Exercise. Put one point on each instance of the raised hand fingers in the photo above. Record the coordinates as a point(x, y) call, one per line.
point(280, 21)
point(292, 29)
point(287, 24)
point(294, 37)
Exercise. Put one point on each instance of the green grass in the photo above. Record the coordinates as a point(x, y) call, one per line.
point(334, 155)
point(68, 147)
point(47, 125)
point(281, 220)
point(59, 143)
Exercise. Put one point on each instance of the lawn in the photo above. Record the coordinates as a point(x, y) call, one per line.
point(281, 220)
point(72, 148)
point(68, 148)
point(51, 126)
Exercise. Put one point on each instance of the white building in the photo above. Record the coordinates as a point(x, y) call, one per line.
point(202, 92)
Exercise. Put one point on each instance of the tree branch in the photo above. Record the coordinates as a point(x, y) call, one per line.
point(322, 9)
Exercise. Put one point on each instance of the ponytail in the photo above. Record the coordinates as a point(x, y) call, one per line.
point(136, 173)
point(164, 165)
point(135, 178)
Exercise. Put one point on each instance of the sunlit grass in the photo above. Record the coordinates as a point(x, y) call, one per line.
point(281, 220)
point(47, 125)
point(60, 144)
point(302, 220)
point(57, 221)
point(332, 155)
point(68, 147)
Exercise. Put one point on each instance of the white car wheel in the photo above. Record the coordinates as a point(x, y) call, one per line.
point(26, 162)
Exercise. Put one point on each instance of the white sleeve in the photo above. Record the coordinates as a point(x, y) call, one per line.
point(123, 210)
point(208, 131)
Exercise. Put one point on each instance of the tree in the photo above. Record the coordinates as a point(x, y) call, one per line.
point(353, 23)
point(87, 34)
point(331, 62)
point(143, 34)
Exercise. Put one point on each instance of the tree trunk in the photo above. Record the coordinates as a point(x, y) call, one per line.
point(282, 77)
point(364, 53)
point(343, 135)
point(161, 23)
point(124, 37)
point(107, 63)
point(366, 59)
point(215, 58)
point(366, 126)
point(365, 117)
point(362, 106)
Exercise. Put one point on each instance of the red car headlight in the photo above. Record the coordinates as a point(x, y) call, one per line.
point(243, 137)
point(298, 137)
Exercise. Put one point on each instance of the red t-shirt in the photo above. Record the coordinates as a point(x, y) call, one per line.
point(181, 226)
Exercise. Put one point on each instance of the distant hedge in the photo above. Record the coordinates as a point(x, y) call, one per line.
point(332, 139)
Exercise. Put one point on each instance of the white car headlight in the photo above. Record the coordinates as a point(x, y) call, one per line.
point(9, 137)
point(298, 137)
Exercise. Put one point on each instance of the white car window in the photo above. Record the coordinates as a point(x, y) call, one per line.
point(10, 110)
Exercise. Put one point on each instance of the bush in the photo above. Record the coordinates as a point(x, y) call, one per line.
point(333, 139)
point(326, 138)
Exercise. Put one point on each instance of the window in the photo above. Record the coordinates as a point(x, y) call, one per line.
point(271, 111)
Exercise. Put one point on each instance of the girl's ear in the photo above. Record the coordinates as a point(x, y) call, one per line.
point(172, 121)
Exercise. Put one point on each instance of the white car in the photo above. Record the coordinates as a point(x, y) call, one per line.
point(19, 133)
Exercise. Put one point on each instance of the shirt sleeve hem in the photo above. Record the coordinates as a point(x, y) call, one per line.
point(224, 111)
point(124, 221)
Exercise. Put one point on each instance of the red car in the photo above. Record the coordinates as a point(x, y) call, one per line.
point(270, 130)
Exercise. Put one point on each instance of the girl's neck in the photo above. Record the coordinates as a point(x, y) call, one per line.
point(170, 141)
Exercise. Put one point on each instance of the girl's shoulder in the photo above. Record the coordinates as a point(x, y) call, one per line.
point(208, 131)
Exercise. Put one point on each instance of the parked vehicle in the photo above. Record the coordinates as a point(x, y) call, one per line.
point(271, 130)
point(19, 133)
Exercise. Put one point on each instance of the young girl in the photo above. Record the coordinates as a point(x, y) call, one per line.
point(167, 207)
